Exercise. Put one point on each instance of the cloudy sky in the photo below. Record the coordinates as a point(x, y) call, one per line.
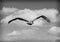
point(33, 6)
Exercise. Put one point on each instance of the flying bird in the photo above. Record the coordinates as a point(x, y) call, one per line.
point(30, 22)
point(18, 18)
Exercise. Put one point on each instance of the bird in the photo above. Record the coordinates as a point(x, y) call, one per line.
point(18, 18)
point(30, 22)
point(42, 16)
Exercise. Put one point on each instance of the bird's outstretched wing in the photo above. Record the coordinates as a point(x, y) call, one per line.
point(18, 18)
point(42, 16)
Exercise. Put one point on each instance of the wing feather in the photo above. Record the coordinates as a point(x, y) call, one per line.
point(18, 18)
point(42, 16)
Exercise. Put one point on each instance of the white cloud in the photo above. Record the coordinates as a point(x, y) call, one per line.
point(7, 11)
point(14, 33)
point(54, 30)
point(50, 13)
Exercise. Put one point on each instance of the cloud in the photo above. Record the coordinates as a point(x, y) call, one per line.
point(50, 13)
point(7, 11)
point(54, 31)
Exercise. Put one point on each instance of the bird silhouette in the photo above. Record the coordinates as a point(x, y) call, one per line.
point(42, 16)
point(32, 21)
point(18, 18)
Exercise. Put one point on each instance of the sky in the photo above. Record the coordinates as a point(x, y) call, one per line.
point(32, 6)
